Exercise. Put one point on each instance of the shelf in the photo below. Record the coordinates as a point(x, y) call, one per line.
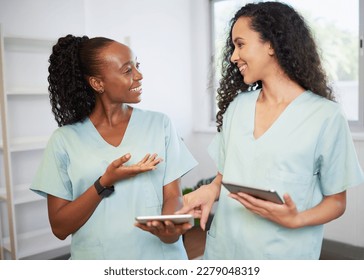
point(27, 91)
point(2, 195)
point(36, 242)
point(25, 66)
point(27, 144)
point(23, 194)
point(27, 44)
point(26, 125)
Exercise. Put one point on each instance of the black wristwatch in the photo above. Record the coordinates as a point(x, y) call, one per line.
point(103, 191)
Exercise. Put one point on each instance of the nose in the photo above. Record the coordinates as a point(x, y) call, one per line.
point(234, 56)
point(137, 74)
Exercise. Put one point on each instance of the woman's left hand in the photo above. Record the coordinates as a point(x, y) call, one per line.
point(166, 231)
point(284, 214)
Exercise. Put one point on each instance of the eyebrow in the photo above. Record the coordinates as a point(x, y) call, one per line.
point(238, 38)
point(127, 63)
point(130, 62)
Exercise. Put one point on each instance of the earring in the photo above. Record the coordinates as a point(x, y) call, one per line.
point(101, 91)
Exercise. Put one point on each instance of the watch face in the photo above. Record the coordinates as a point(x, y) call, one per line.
point(107, 191)
point(104, 192)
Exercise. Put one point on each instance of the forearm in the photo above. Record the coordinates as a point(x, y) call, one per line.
point(216, 185)
point(67, 217)
point(330, 208)
point(172, 201)
point(170, 206)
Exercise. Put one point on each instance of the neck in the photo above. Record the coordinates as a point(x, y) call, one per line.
point(280, 91)
point(110, 115)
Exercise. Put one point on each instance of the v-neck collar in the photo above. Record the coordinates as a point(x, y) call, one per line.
point(100, 139)
point(280, 118)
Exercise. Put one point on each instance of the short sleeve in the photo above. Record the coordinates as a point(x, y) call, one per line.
point(51, 176)
point(178, 159)
point(339, 165)
point(217, 148)
point(216, 151)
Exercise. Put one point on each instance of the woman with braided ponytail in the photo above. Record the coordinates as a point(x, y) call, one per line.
point(109, 162)
point(278, 128)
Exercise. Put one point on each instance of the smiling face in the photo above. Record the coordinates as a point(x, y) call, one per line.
point(252, 56)
point(120, 79)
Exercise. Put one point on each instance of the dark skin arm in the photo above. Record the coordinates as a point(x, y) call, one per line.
point(66, 217)
point(166, 231)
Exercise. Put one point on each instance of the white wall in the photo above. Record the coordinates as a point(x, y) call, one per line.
point(159, 34)
point(42, 18)
point(171, 40)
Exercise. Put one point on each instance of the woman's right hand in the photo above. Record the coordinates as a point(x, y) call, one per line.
point(117, 170)
point(199, 202)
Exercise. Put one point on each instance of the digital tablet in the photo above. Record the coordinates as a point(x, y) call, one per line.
point(270, 195)
point(176, 219)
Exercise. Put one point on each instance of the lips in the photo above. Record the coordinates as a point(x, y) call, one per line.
point(242, 68)
point(136, 89)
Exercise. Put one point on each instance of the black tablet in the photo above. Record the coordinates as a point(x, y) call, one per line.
point(269, 195)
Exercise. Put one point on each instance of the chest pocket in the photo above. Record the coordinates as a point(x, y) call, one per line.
point(299, 186)
point(153, 194)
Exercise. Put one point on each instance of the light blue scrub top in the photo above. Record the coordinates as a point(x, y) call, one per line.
point(308, 152)
point(77, 155)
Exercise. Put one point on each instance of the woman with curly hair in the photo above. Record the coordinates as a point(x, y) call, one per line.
point(103, 166)
point(278, 128)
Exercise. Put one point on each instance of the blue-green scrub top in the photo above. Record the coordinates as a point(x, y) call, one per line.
point(77, 155)
point(308, 152)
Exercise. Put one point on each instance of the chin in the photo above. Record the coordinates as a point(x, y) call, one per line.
point(135, 100)
point(138, 101)
point(247, 81)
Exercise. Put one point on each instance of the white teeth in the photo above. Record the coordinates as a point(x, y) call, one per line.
point(136, 89)
point(242, 68)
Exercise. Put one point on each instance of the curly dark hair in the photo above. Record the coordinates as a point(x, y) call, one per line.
point(73, 59)
point(294, 47)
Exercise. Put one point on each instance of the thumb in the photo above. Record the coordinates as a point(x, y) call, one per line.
point(120, 161)
point(288, 200)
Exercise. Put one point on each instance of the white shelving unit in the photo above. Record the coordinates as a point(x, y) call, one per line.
point(26, 124)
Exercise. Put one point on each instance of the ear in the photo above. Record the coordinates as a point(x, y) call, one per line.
point(96, 84)
point(270, 50)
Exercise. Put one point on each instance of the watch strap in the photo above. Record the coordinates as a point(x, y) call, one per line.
point(103, 191)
